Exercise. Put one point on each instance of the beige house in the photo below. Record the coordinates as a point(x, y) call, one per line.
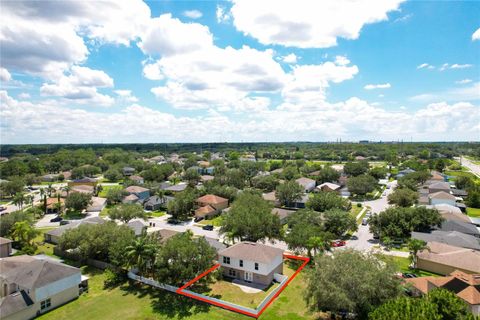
point(465, 286)
point(210, 205)
point(31, 286)
point(5, 247)
point(444, 259)
point(251, 262)
point(328, 186)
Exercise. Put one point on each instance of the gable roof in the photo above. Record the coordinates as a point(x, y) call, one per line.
point(270, 196)
point(136, 178)
point(137, 226)
point(166, 234)
point(441, 195)
point(5, 240)
point(463, 227)
point(282, 213)
point(304, 181)
point(177, 187)
point(211, 199)
point(440, 185)
point(154, 200)
point(136, 189)
point(461, 258)
point(252, 251)
point(452, 238)
point(332, 186)
point(202, 211)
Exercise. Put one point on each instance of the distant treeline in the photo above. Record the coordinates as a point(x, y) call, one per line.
point(289, 150)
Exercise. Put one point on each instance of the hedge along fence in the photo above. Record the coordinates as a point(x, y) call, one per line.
point(91, 262)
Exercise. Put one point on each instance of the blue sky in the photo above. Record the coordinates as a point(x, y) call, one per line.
point(206, 71)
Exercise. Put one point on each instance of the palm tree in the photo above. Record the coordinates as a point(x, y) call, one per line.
point(19, 199)
point(67, 189)
point(318, 244)
point(23, 232)
point(29, 199)
point(141, 253)
point(50, 189)
point(415, 246)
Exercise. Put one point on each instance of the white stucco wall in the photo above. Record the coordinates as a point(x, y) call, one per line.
point(263, 269)
point(53, 288)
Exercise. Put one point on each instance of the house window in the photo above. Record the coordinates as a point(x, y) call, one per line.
point(226, 260)
point(241, 263)
point(45, 304)
point(231, 272)
point(256, 266)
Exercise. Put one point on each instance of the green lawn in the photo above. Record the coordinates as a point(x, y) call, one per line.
point(473, 212)
point(355, 210)
point(73, 215)
point(403, 263)
point(216, 222)
point(43, 247)
point(461, 174)
point(105, 189)
point(157, 213)
point(104, 212)
point(142, 302)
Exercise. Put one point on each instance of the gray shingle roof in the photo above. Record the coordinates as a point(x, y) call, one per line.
point(252, 251)
point(463, 227)
point(453, 238)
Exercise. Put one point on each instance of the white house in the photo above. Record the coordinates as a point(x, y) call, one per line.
point(251, 262)
point(307, 184)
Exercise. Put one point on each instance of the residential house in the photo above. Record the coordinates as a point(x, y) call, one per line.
point(251, 262)
point(443, 259)
point(342, 180)
point(439, 186)
point(453, 238)
point(450, 212)
point(283, 214)
point(210, 205)
point(128, 171)
point(138, 226)
point(32, 286)
point(166, 234)
point(83, 181)
point(404, 172)
point(52, 205)
point(130, 199)
point(206, 178)
point(344, 192)
point(83, 189)
point(176, 187)
point(462, 227)
point(49, 177)
point(459, 193)
point(299, 203)
point(5, 247)
point(97, 205)
point(137, 179)
point(140, 192)
point(328, 186)
point(53, 236)
point(154, 203)
point(465, 286)
point(307, 184)
point(215, 244)
point(437, 176)
point(272, 198)
point(441, 197)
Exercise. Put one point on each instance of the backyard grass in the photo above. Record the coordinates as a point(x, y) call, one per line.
point(216, 222)
point(73, 215)
point(43, 247)
point(461, 174)
point(403, 266)
point(105, 189)
point(473, 212)
point(134, 301)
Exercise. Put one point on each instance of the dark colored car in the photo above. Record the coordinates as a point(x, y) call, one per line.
point(64, 222)
point(174, 221)
point(208, 227)
point(408, 275)
point(197, 219)
point(56, 219)
point(2, 208)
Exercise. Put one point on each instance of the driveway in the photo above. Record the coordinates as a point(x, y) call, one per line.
point(162, 223)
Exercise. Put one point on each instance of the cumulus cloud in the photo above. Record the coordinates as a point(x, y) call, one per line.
point(464, 81)
point(5, 76)
point(290, 58)
point(425, 66)
point(468, 93)
point(126, 96)
point(24, 122)
point(476, 35)
point(377, 86)
point(192, 14)
point(80, 86)
point(446, 66)
point(222, 14)
point(307, 24)
point(30, 30)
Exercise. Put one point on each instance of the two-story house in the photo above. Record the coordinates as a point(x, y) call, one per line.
point(251, 262)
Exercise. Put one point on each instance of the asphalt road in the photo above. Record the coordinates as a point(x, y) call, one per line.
point(475, 168)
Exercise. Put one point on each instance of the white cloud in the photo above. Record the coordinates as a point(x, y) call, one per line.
point(342, 60)
point(290, 58)
point(476, 35)
point(80, 86)
point(5, 76)
point(222, 14)
point(469, 93)
point(377, 86)
point(425, 66)
point(460, 66)
point(403, 18)
point(126, 96)
point(193, 14)
point(30, 30)
point(464, 81)
point(307, 24)
point(24, 95)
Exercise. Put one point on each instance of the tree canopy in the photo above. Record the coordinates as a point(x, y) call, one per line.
point(361, 184)
point(337, 222)
point(403, 197)
point(289, 192)
point(126, 212)
point(323, 201)
point(356, 168)
point(78, 201)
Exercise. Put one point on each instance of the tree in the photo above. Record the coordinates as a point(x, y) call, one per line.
point(249, 169)
point(356, 168)
point(235, 178)
point(438, 304)
point(181, 207)
point(361, 184)
point(250, 219)
point(378, 172)
point(304, 226)
point(113, 174)
point(126, 212)
point(387, 242)
point(473, 199)
point(289, 192)
point(115, 195)
point(141, 253)
point(19, 199)
point(8, 220)
point(67, 189)
point(182, 258)
point(290, 172)
point(265, 183)
point(328, 174)
point(12, 187)
point(352, 281)
point(192, 176)
point(415, 246)
point(323, 201)
point(24, 233)
point(338, 222)
point(78, 201)
point(403, 197)
point(462, 182)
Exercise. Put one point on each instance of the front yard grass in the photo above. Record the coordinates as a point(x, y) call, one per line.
point(403, 266)
point(42, 246)
point(157, 214)
point(461, 174)
point(135, 301)
point(73, 215)
point(473, 212)
point(216, 222)
point(105, 189)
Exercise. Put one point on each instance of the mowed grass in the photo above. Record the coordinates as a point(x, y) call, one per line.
point(461, 174)
point(105, 189)
point(134, 301)
point(216, 222)
point(403, 266)
point(473, 212)
point(43, 247)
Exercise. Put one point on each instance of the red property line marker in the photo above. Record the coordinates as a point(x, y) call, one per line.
point(225, 306)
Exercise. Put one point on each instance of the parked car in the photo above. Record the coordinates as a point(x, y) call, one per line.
point(56, 219)
point(2, 208)
point(208, 227)
point(338, 243)
point(197, 219)
point(64, 222)
point(364, 221)
point(174, 221)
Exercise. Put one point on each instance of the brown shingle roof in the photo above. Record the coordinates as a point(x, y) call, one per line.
point(470, 294)
point(252, 251)
point(136, 189)
point(461, 258)
point(211, 199)
point(203, 211)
